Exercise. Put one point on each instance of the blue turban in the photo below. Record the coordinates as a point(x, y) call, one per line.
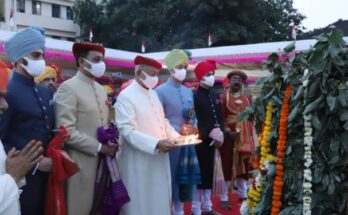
point(24, 42)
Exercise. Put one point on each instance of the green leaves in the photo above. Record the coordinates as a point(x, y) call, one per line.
point(331, 101)
point(325, 98)
point(289, 48)
point(314, 105)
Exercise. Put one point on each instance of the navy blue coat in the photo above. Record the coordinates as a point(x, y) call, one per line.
point(30, 116)
point(208, 110)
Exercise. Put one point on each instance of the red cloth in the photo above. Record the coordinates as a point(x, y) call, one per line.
point(203, 68)
point(3, 76)
point(63, 168)
point(147, 61)
point(225, 82)
point(85, 47)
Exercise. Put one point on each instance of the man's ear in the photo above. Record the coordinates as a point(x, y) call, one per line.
point(83, 62)
point(22, 61)
point(139, 73)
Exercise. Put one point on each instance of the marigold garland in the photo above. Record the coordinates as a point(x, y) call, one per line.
point(281, 147)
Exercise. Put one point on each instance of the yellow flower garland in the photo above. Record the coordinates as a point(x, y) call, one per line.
point(254, 194)
point(265, 147)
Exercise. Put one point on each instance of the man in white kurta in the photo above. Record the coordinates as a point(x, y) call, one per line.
point(144, 139)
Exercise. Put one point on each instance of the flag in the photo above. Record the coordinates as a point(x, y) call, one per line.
point(209, 39)
point(293, 31)
point(11, 21)
point(143, 47)
point(90, 34)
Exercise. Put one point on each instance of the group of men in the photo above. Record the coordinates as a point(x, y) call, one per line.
point(158, 174)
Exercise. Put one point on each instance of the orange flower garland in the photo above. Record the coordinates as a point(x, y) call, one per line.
point(281, 147)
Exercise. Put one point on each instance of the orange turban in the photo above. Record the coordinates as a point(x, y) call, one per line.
point(4, 75)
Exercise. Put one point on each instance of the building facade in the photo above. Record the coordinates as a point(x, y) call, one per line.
point(55, 16)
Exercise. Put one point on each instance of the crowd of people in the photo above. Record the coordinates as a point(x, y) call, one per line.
point(131, 163)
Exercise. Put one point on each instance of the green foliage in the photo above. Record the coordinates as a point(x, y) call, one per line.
point(327, 100)
point(168, 24)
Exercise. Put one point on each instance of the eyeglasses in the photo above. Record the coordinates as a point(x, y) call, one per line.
point(236, 79)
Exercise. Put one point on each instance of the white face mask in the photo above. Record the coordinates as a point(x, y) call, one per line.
point(180, 74)
point(209, 81)
point(149, 81)
point(35, 67)
point(97, 69)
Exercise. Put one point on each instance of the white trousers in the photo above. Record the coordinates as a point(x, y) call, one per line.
point(201, 201)
point(242, 187)
point(178, 208)
point(224, 196)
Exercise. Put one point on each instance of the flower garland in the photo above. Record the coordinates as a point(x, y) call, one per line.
point(307, 172)
point(265, 146)
point(281, 146)
point(254, 194)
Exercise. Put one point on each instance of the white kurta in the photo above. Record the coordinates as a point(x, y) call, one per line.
point(9, 192)
point(145, 172)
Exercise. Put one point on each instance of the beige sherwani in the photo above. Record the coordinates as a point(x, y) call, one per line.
point(81, 108)
point(145, 172)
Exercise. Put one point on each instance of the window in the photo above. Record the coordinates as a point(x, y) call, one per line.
point(21, 6)
point(55, 10)
point(37, 7)
point(71, 39)
point(69, 13)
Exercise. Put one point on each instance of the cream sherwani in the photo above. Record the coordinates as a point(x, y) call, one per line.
point(145, 172)
point(80, 106)
point(9, 192)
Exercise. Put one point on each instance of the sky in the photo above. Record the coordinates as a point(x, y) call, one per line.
point(321, 13)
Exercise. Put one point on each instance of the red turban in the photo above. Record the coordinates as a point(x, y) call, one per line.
point(85, 47)
point(3, 75)
point(203, 68)
point(140, 60)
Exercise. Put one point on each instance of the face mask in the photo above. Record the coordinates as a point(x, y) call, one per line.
point(97, 69)
point(180, 74)
point(35, 67)
point(209, 81)
point(149, 81)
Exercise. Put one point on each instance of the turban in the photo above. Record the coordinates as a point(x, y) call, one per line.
point(176, 57)
point(203, 68)
point(140, 60)
point(108, 89)
point(86, 47)
point(4, 75)
point(49, 72)
point(239, 73)
point(24, 42)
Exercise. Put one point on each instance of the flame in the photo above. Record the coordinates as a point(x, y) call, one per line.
point(190, 138)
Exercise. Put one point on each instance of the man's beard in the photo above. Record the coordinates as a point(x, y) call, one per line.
point(236, 87)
